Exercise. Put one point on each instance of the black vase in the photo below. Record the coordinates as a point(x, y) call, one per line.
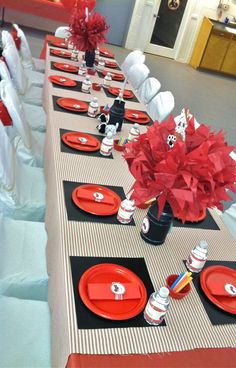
point(89, 57)
point(154, 231)
point(117, 113)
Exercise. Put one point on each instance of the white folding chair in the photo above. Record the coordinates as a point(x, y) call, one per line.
point(29, 144)
point(22, 188)
point(134, 57)
point(27, 60)
point(62, 32)
point(161, 106)
point(137, 74)
point(23, 271)
point(25, 333)
point(149, 89)
point(36, 78)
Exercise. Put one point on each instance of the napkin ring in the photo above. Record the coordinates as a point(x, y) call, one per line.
point(118, 289)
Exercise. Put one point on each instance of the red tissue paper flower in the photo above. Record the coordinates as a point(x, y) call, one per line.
point(190, 173)
point(86, 34)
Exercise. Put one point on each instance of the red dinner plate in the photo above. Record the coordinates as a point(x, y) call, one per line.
point(201, 217)
point(112, 309)
point(72, 104)
point(136, 116)
point(62, 81)
point(105, 52)
point(66, 67)
point(81, 141)
point(115, 76)
point(115, 91)
point(222, 276)
point(64, 54)
point(63, 45)
point(94, 207)
point(111, 64)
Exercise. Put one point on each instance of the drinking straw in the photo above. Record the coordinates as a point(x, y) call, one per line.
point(121, 141)
point(183, 278)
point(177, 280)
point(187, 281)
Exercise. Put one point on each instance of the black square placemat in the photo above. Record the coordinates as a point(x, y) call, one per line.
point(216, 315)
point(102, 76)
point(76, 88)
point(67, 149)
point(74, 213)
point(110, 95)
point(87, 319)
point(59, 70)
point(56, 107)
point(208, 223)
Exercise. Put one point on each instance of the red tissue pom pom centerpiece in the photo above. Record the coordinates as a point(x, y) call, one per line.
point(87, 32)
point(189, 167)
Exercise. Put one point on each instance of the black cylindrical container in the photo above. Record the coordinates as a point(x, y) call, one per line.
point(89, 57)
point(117, 113)
point(154, 231)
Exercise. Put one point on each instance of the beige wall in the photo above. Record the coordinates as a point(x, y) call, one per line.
point(139, 33)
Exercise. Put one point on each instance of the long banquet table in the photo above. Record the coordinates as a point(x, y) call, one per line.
point(187, 324)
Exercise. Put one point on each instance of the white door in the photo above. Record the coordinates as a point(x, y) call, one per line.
point(167, 27)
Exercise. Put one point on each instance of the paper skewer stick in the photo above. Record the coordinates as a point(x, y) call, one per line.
point(123, 87)
point(87, 14)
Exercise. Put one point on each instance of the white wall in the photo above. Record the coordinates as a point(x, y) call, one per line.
point(140, 27)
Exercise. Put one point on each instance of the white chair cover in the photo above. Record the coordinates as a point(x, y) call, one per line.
point(148, 89)
point(28, 92)
point(35, 116)
point(25, 52)
point(62, 32)
point(134, 57)
point(4, 72)
point(25, 333)
point(7, 39)
point(22, 188)
point(137, 75)
point(23, 271)
point(7, 169)
point(27, 60)
point(15, 68)
point(31, 144)
point(229, 218)
point(36, 78)
point(161, 106)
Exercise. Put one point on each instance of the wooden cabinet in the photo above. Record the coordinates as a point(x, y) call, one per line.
point(229, 63)
point(215, 51)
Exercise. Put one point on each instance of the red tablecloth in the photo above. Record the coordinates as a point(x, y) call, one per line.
point(48, 38)
point(41, 8)
point(198, 358)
